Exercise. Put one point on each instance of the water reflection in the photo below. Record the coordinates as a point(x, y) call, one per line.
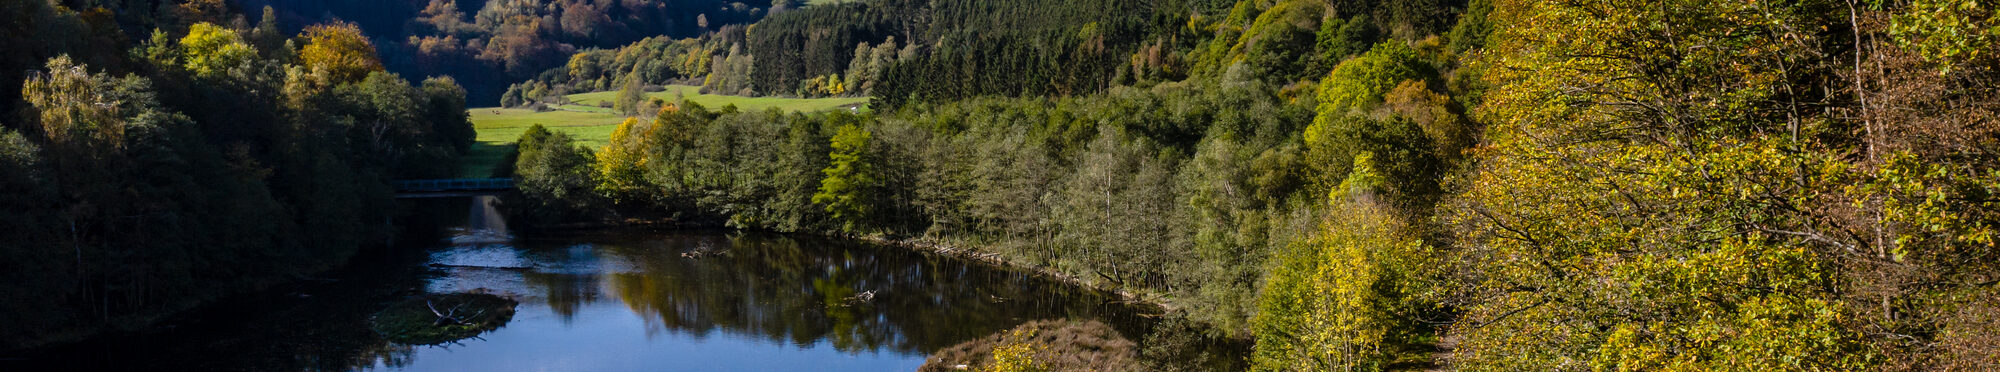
point(484, 223)
point(565, 293)
point(608, 300)
point(805, 294)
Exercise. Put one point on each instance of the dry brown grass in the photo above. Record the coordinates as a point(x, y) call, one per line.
point(1065, 346)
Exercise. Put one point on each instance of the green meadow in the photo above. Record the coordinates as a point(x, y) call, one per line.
point(592, 125)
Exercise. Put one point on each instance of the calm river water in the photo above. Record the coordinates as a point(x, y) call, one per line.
point(618, 300)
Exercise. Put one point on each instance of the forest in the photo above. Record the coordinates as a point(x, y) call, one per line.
point(156, 157)
point(1376, 185)
point(1345, 184)
point(488, 44)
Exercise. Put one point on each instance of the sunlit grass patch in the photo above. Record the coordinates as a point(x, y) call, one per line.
point(591, 125)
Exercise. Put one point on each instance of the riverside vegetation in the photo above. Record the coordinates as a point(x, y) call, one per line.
point(154, 157)
point(1351, 184)
point(1377, 185)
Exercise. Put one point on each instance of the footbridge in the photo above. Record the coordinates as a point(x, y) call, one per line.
point(451, 187)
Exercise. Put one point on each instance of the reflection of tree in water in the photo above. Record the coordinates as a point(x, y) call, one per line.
point(387, 354)
point(800, 292)
point(804, 291)
point(566, 293)
point(304, 326)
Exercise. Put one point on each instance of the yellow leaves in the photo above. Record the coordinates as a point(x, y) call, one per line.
point(1747, 304)
point(1766, 333)
point(1017, 353)
point(1948, 32)
point(340, 51)
point(1646, 197)
point(212, 50)
point(1938, 212)
point(1733, 268)
point(73, 106)
point(1362, 180)
point(1335, 302)
point(1652, 230)
point(824, 85)
point(582, 65)
point(621, 163)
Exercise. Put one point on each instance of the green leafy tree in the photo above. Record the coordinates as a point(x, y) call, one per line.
point(268, 36)
point(850, 184)
point(1342, 300)
point(630, 93)
point(555, 178)
point(28, 204)
point(1949, 31)
point(445, 111)
point(1358, 84)
point(512, 98)
point(1472, 28)
point(1278, 45)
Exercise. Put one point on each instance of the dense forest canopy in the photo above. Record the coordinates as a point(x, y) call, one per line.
point(489, 43)
point(935, 51)
point(1491, 184)
point(1349, 184)
point(158, 156)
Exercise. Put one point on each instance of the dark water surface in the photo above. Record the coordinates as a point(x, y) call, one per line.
point(617, 300)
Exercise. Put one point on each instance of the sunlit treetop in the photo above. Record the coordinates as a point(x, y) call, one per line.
point(340, 51)
point(212, 50)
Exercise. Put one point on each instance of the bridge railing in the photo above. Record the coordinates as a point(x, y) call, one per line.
point(453, 184)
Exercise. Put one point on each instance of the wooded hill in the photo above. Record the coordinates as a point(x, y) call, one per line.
point(1493, 184)
point(488, 44)
point(1486, 185)
point(156, 156)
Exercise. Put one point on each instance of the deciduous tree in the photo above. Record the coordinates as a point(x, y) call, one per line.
point(340, 51)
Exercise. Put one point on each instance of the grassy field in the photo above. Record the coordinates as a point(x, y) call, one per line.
point(592, 125)
point(499, 127)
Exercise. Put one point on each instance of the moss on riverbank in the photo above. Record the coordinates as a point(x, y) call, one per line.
point(440, 318)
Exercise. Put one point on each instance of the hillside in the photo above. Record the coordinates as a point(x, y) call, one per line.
point(490, 43)
point(591, 125)
point(1550, 186)
point(153, 158)
point(1272, 185)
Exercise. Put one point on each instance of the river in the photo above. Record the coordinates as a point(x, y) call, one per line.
point(618, 300)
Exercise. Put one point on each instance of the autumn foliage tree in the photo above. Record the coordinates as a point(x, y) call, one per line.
point(143, 177)
point(339, 50)
point(621, 162)
point(211, 50)
point(1683, 197)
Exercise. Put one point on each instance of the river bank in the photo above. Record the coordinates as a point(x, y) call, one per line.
point(608, 294)
point(1164, 302)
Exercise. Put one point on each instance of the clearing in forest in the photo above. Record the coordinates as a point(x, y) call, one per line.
point(590, 125)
